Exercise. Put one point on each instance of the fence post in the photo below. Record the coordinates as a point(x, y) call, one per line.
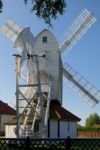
point(28, 143)
point(68, 143)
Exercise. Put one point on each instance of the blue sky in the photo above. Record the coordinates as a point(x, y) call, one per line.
point(84, 57)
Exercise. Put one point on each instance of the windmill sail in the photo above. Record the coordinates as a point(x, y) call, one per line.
point(22, 37)
point(11, 29)
point(19, 35)
point(81, 85)
point(79, 27)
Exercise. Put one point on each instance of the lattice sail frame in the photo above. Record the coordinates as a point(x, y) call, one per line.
point(11, 30)
point(78, 28)
point(76, 31)
point(80, 85)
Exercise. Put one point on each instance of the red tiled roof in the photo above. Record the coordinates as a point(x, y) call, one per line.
point(6, 109)
point(58, 112)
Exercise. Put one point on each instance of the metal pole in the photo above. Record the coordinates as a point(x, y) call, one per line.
point(17, 100)
point(41, 97)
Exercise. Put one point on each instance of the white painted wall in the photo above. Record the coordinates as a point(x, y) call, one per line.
point(9, 131)
point(53, 129)
point(66, 129)
point(4, 119)
point(63, 129)
point(73, 129)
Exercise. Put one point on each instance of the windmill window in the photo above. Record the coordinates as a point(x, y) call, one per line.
point(44, 39)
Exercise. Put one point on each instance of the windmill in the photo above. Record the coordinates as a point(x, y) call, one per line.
point(39, 71)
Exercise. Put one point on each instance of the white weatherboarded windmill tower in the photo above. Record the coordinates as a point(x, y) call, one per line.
point(39, 71)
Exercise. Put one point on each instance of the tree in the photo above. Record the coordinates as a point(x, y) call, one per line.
point(92, 120)
point(1, 5)
point(45, 9)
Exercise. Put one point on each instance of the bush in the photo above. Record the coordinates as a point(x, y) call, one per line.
point(81, 128)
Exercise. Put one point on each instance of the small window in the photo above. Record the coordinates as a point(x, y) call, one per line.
point(44, 39)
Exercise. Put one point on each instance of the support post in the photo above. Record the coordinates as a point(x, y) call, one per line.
point(17, 99)
point(27, 143)
point(68, 143)
point(41, 97)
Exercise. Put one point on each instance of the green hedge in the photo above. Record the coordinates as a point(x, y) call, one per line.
point(88, 129)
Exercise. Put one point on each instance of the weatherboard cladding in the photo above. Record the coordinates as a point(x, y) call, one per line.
point(6, 109)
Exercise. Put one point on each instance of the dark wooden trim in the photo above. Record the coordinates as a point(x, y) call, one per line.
point(68, 126)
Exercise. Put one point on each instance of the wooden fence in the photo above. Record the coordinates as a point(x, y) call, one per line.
point(89, 134)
